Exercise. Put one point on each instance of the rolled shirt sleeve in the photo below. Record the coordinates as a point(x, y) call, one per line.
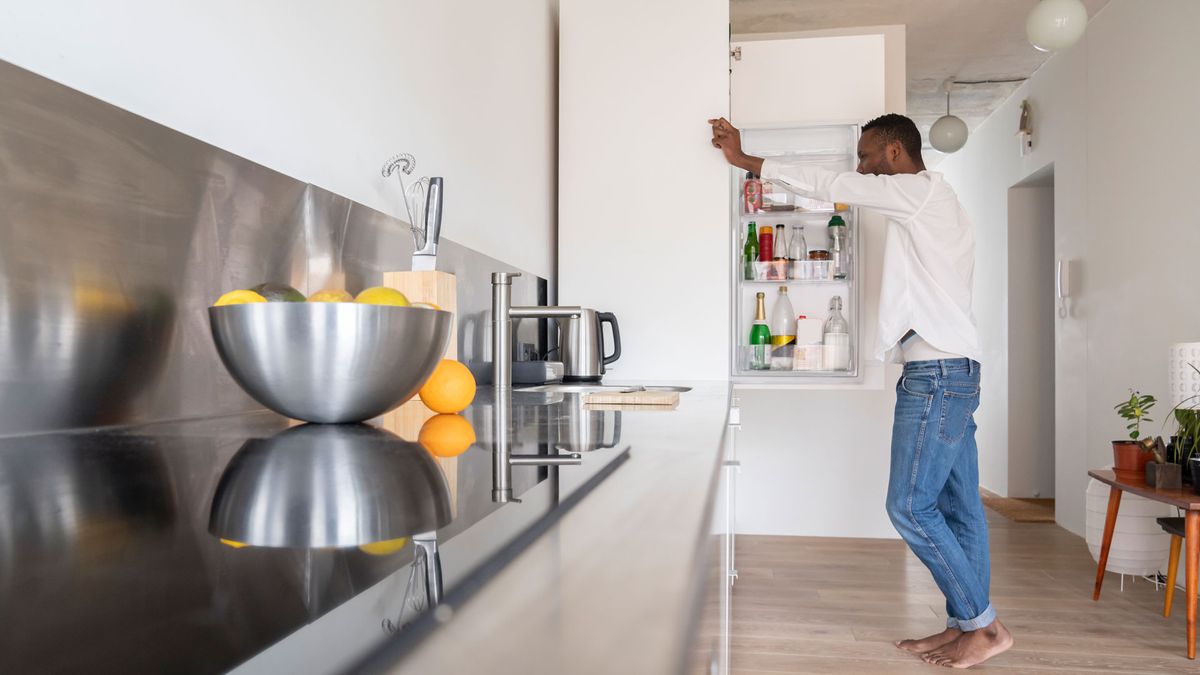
point(901, 196)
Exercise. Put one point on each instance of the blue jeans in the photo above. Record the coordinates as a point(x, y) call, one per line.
point(933, 492)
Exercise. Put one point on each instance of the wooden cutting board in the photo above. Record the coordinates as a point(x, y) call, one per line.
point(652, 398)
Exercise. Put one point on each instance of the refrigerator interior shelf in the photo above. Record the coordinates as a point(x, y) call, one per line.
point(798, 282)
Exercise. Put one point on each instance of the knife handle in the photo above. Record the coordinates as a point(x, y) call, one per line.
point(433, 217)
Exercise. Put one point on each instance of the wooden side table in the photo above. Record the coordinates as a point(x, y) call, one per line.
point(1130, 481)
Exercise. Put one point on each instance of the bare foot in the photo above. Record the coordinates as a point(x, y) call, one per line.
point(972, 648)
point(930, 643)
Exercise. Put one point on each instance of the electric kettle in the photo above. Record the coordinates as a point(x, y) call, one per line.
point(581, 345)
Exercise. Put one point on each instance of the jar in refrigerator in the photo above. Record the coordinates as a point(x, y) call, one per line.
point(752, 193)
point(766, 238)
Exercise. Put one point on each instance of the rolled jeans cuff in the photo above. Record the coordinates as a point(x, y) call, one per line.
point(982, 621)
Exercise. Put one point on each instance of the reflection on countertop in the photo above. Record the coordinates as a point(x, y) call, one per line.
point(201, 545)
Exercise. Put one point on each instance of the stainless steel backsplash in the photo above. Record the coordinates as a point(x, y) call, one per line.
point(116, 233)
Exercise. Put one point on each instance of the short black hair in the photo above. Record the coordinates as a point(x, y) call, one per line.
point(893, 127)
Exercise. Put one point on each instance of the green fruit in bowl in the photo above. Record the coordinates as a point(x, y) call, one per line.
point(274, 292)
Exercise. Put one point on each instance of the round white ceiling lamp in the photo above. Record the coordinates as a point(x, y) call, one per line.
point(949, 133)
point(1056, 24)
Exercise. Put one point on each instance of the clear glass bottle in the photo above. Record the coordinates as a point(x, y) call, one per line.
point(839, 247)
point(797, 252)
point(760, 335)
point(780, 243)
point(836, 340)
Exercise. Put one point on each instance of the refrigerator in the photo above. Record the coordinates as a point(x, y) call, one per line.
point(825, 269)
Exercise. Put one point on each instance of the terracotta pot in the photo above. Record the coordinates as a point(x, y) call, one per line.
point(1130, 456)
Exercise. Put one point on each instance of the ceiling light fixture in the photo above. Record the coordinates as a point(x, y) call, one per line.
point(1056, 24)
point(949, 133)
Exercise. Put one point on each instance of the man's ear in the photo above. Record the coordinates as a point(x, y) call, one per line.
point(895, 150)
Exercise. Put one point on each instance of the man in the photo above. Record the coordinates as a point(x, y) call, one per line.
point(925, 319)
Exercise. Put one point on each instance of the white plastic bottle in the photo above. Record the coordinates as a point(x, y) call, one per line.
point(783, 329)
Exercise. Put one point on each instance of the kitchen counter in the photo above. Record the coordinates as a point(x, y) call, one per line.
point(123, 549)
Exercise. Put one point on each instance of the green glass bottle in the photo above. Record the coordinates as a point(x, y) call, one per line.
point(750, 252)
point(760, 336)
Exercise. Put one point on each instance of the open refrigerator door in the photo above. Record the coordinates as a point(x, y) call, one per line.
point(802, 256)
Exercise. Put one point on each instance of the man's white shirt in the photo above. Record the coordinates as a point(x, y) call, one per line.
point(928, 254)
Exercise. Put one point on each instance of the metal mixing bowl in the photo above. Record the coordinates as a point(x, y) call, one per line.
point(329, 362)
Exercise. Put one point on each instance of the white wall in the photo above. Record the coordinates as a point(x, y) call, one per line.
point(326, 91)
point(644, 197)
point(1031, 318)
point(1114, 116)
point(815, 461)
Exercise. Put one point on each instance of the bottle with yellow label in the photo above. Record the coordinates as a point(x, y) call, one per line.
point(783, 327)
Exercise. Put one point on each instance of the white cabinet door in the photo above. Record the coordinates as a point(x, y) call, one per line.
point(643, 195)
point(807, 80)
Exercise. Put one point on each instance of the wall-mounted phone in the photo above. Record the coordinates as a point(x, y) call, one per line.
point(1062, 284)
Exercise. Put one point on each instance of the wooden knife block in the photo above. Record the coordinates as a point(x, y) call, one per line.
point(441, 289)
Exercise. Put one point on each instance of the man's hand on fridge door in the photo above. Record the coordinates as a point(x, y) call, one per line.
point(728, 140)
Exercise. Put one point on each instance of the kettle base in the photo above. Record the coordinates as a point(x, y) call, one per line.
point(577, 378)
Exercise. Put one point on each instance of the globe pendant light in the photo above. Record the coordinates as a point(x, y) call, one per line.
point(1056, 24)
point(949, 133)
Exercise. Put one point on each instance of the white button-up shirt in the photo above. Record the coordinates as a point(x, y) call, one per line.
point(928, 256)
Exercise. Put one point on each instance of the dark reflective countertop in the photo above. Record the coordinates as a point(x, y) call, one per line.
point(209, 545)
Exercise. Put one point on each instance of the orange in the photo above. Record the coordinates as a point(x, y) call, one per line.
point(450, 389)
point(446, 435)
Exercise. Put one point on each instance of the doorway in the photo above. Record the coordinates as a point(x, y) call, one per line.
point(1031, 325)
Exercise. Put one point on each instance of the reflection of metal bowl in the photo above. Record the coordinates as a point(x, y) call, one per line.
point(75, 355)
point(317, 486)
point(329, 362)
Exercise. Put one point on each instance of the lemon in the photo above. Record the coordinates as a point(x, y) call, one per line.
point(239, 298)
point(450, 389)
point(426, 305)
point(331, 295)
point(386, 547)
point(382, 295)
point(446, 435)
point(234, 544)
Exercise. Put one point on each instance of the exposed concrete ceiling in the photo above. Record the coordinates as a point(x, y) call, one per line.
point(964, 39)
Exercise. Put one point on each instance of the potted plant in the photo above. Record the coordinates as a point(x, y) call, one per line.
point(1131, 455)
point(1185, 444)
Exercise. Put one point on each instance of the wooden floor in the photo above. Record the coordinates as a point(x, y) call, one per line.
point(814, 605)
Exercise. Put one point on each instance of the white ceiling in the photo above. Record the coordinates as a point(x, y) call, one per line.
point(963, 39)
